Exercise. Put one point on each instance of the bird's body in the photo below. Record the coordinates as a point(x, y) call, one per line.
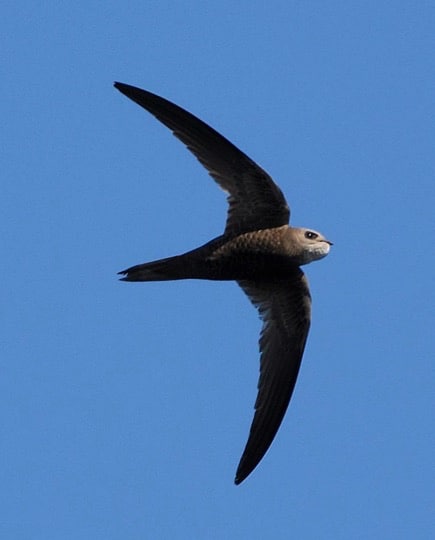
point(255, 255)
point(259, 250)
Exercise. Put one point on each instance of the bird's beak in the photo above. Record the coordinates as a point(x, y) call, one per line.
point(328, 242)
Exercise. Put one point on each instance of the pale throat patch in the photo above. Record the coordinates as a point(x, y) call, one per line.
point(316, 252)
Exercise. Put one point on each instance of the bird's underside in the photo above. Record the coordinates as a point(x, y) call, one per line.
point(268, 273)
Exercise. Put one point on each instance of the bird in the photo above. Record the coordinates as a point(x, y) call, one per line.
point(259, 250)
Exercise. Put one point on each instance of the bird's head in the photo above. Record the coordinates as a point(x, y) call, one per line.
point(313, 245)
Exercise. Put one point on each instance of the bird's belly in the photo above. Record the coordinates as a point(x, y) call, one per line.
point(248, 264)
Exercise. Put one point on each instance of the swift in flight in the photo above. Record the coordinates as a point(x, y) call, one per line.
point(259, 250)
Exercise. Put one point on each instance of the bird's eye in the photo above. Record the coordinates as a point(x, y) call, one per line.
point(311, 235)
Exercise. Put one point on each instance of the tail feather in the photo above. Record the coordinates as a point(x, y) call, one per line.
point(178, 267)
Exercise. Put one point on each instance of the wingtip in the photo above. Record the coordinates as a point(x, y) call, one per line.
point(241, 474)
point(123, 88)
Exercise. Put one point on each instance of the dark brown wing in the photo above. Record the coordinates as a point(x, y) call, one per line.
point(285, 308)
point(255, 201)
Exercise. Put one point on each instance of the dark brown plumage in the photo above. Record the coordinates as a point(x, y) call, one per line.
point(258, 250)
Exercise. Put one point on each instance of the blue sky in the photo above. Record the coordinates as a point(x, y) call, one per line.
point(125, 407)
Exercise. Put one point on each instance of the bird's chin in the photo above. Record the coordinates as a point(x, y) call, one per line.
point(316, 252)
